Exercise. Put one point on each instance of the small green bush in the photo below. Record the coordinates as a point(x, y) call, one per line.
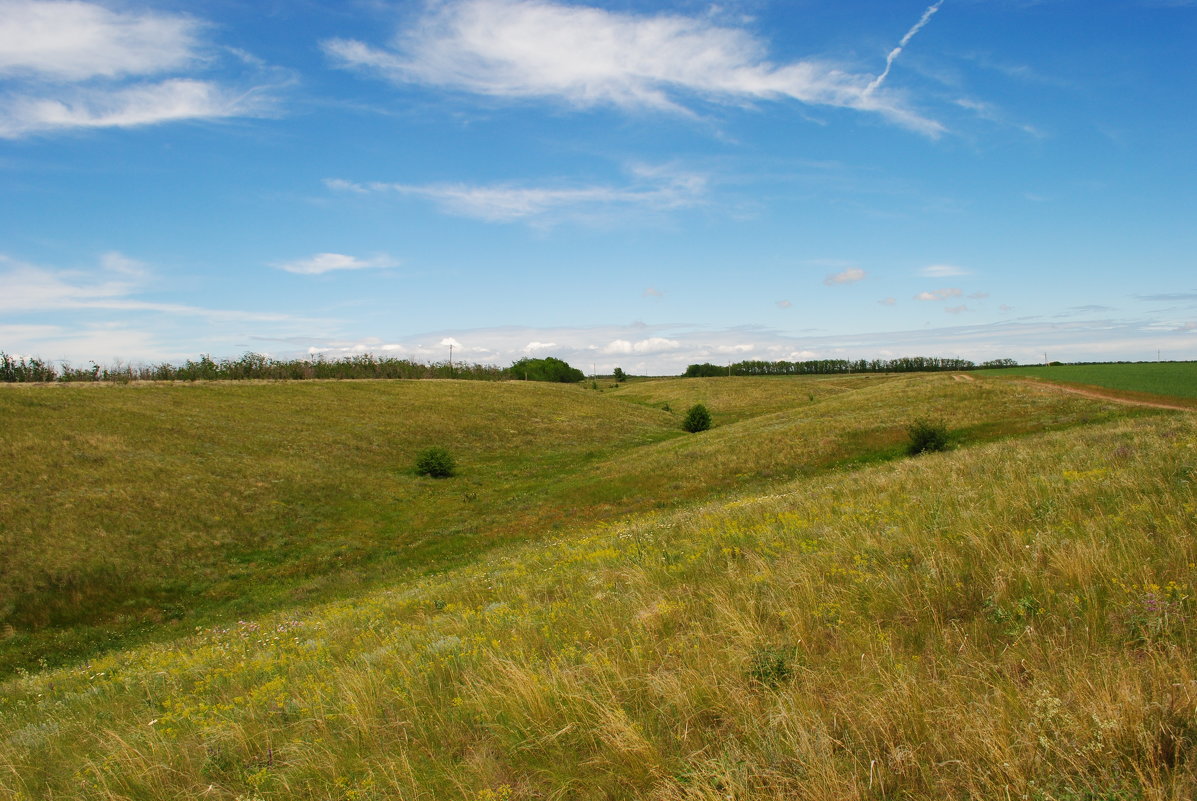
point(697, 419)
point(927, 435)
point(771, 665)
point(435, 462)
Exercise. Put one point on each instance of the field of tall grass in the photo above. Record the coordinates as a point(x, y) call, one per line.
point(1010, 619)
point(176, 505)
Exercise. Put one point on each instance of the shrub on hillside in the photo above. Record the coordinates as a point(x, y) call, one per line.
point(435, 462)
point(926, 435)
point(697, 419)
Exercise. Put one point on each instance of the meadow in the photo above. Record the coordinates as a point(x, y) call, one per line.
point(1142, 379)
point(599, 606)
point(175, 505)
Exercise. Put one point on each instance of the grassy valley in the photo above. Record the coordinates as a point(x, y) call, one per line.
point(598, 605)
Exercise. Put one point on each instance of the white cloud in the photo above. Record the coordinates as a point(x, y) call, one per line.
point(849, 276)
point(888, 301)
point(75, 64)
point(319, 263)
point(632, 346)
point(643, 346)
point(942, 271)
point(784, 304)
point(72, 41)
point(956, 309)
point(534, 347)
point(141, 104)
point(652, 292)
point(897, 51)
point(28, 288)
point(116, 262)
point(32, 289)
point(587, 57)
point(939, 294)
point(657, 189)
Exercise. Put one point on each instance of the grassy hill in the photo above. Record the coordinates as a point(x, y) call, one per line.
point(177, 505)
point(600, 606)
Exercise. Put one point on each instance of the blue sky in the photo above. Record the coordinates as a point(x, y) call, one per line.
point(617, 183)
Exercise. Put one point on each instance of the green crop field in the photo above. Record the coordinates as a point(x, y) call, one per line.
point(244, 591)
point(1171, 379)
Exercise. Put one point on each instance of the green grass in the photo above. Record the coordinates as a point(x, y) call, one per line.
point(168, 502)
point(1010, 619)
point(175, 506)
point(1166, 379)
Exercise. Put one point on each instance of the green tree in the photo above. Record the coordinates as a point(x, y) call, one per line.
point(546, 369)
point(620, 376)
point(697, 419)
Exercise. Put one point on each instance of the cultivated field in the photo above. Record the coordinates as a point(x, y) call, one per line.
point(598, 606)
point(1166, 379)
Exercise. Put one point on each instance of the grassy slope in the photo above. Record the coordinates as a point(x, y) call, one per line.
point(1009, 620)
point(733, 399)
point(181, 505)
point(1150, 380)
point(165, 499)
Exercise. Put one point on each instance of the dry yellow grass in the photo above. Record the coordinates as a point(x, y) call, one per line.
point(1013, 620)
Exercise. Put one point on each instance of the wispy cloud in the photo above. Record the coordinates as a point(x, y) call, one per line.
point(115, 286)
point(897, 51)
point(1168, 297)
point(585, 56)
point(784, 304)
point(888, 301)
point(652, 188)
point(942, 271)
point(320, 263)
point(144, 104)
point(939, 294)
point(75, 64)
point(848, 276)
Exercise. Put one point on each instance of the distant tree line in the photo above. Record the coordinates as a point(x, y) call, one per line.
point(259, 366)
point(905, 364)
point(249, 366)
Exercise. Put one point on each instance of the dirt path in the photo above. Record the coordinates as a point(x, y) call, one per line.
point(1097, 394)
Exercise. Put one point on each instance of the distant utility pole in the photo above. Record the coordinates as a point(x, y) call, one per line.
point(450, 359)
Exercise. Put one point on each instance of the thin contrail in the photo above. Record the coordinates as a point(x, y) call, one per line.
point(893, 54)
